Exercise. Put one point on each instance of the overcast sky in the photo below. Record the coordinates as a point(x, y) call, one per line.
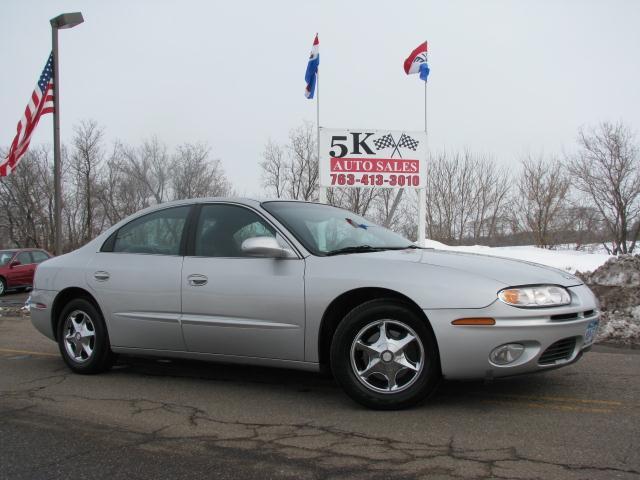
point(507, 77)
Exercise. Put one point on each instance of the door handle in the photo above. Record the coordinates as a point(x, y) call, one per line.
point(197, 280)
point(101, 276)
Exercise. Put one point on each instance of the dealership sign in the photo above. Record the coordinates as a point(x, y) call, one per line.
point(372, 158)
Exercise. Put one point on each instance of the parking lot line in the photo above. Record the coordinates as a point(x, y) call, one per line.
point(549, 406)
point(29, 352)
point(550, 398)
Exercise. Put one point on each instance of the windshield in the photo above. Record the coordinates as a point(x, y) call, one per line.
point(326, 230)
point(5, 256)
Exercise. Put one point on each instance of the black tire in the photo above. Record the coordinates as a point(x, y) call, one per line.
point(3, 286)
point(418, 389)
point(102, 357)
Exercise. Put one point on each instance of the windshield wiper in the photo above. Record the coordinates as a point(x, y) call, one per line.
point(364, 249)
point(356, 249)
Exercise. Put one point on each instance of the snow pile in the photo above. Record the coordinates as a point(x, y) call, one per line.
point(622, 271)
point(617, 286)
point(568, 260)
point(621, 327)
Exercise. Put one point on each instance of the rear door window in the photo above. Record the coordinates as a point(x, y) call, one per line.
point(158, 233)
point(24, 258)
point(39, 256)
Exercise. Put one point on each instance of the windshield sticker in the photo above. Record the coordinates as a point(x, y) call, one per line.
point(356, 225)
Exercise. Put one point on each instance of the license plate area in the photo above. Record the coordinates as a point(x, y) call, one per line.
point(590, 333)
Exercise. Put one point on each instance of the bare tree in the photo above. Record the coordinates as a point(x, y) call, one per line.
point(386, 205)
point(291, 170)
point(120, 193)
point(606, 170)
point(194, 174)
point(582, 225)
point(26, 202)
point(466, 197)
point(541, 197)
point(357, 200)
point(86, 159)
point(303, 163)
point(150, 166)
point(274, 169)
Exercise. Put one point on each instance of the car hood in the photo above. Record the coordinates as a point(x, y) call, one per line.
point(504, 270)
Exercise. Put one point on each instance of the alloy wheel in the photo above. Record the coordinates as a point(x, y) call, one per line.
point(387, 356)
point(79, 336)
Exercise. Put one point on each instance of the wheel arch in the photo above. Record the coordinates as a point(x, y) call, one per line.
point(64, 297)
point(347, 301)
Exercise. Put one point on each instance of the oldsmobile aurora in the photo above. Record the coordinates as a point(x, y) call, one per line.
point(309, 286)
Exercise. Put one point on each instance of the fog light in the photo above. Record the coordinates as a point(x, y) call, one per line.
point(506, 354)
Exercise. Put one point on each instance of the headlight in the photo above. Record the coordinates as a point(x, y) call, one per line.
point(538, 296)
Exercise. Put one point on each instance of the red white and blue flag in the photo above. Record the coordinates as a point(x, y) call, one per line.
point(417, 62)
point(41, 102)
point(311, 74)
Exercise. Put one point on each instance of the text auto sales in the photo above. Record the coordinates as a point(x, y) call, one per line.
point(388, 172)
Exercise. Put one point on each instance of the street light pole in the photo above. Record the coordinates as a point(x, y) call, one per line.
point(66, 20)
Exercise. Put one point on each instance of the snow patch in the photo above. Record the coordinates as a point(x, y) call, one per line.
point(568, 260)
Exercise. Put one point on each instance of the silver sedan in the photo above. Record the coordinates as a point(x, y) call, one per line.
point(308, 286)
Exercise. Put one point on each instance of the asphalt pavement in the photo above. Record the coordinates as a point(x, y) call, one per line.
point(178, 419)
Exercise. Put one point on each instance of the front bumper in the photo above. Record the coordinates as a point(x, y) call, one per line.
point(464, 350)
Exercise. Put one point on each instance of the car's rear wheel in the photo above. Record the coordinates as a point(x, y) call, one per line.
point(3, 286)
point(83, 339)
point(385, 356)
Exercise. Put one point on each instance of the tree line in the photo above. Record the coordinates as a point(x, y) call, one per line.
point(589, 196)
point(102, 184)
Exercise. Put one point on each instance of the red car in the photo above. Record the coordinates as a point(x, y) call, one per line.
point(17, 267)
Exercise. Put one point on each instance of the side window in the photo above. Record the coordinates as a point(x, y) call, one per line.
point(158, 233)
point(222, 229)
point(24, 258)
point(39, 257)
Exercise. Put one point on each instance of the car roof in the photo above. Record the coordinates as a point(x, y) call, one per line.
point(18, 250)
point(243, 200)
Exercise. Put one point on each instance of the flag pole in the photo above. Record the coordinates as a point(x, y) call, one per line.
point(57, 168)
point(65, 20)
point(322, 191)
point(422, 192)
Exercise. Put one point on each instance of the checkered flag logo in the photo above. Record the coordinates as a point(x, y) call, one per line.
point(383, 142)
point(407, 142)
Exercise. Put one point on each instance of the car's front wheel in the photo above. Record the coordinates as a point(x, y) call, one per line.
point(3, 286)
point(83, 339)
point(385, 356)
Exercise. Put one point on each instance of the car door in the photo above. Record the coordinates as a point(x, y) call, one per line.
point(234, 304)
point(136, 277)
point(23, 274)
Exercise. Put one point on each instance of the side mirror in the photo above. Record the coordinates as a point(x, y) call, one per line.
point(15, 263)
point(266, 247)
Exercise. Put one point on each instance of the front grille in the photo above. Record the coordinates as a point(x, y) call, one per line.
point(561, 350)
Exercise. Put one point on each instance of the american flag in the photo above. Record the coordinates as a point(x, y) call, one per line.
point(41, 102)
